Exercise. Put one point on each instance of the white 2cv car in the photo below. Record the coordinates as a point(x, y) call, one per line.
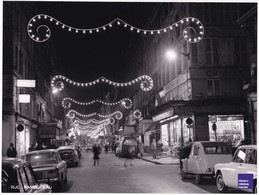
point(202, 158)
point(244, 162)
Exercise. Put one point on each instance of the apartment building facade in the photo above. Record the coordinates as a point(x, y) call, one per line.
point(205, 88)
point(25, 59)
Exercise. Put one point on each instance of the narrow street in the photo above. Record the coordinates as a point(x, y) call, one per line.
point(144, 177)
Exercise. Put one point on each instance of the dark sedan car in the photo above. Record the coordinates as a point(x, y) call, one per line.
point(18, 176)
point(69, 154)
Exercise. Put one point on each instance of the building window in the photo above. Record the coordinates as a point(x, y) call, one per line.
point(240, 52)
point(209, 12)
point(213, 88)
point(16, 56)
point(211, 50)
point(226, 52)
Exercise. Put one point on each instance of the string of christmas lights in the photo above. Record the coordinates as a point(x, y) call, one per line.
point(110, 120)
point(58, 85)
point(126, 102)
point(40, 32)
point(71, 114)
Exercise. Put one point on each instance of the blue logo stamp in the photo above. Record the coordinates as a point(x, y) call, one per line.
point(245, 181)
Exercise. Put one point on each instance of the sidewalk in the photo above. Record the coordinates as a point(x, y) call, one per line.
point(168, 160)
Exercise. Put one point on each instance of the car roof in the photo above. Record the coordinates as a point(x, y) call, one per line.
point(248, 146)
point(41, 151)
point(65, 147)
point(210, 142)
point(13, 162)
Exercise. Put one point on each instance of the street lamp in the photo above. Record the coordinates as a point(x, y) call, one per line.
point(55, 90)
point(171, 54)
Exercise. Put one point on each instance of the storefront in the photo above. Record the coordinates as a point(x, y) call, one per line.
point(50, 134)
point(229, 128)
point(25, 134)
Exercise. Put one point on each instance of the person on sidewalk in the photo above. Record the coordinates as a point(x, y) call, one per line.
point(11, 151)
point(153, 148)
point(129, 153)
point(141, 148)
point(96, 152)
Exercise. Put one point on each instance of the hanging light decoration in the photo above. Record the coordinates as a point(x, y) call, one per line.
point(105, 122)
point(57, 82)
point(110, 120)
point(126, 102)
point(71, 114)
point(137, 114)
point(193, 30)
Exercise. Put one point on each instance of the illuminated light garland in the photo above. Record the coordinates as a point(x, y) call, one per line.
point(137, 114)
point(105, 122)
point(146, 82)
point(35, 31)
point(66, 102)
point(110, 120)
point(71, 114)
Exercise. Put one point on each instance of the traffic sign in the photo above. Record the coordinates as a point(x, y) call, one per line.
point(189, 121)
point(20, 127)
point(214, 127)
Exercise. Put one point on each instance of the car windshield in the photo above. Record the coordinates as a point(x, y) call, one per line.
point(46, 157)
point(66, 153)
point(216, 148)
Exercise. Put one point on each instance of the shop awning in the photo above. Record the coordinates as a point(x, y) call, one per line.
point(151, 126)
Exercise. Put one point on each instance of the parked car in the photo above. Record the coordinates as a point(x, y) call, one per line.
point(202, 158)
point(69, 154)
point(89, 147)
point(18, 176)
point(126, 143)
point(240, 143)
point(48, 166)
point(244, 162)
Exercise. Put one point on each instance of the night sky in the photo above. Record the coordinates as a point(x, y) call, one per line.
point(97, 54)
point(86, 57)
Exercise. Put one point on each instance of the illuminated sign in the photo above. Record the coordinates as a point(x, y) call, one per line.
point(25, 83)
point(24, 98)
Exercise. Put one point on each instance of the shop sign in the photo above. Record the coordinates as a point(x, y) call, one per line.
point(24, 98)
point(25, 83)
point(163, 115)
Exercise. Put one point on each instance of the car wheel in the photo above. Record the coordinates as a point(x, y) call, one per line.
point(220, 183)
point(255, 187)
point(65, 181)
point(198, 179)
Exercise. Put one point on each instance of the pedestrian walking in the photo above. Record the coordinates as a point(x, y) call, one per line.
point(129, 153)
point(11, 151)
point(106, 148)
point(153, 148)
point(96, 152)
point(141, 148)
